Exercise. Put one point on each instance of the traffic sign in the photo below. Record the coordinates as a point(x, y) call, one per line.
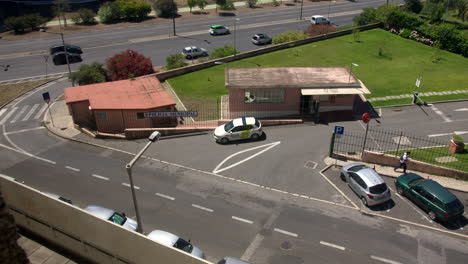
point(366, 117)
point(339, 130)
point(46, 97)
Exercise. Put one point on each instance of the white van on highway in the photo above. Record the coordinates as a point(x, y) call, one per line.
point(316, 20)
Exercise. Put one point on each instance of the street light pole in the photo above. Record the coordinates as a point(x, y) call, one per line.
point(152, 138)
point(302, 4)
point(350, 70)
point(235, 30)
point(46, 58)
point(173, 18)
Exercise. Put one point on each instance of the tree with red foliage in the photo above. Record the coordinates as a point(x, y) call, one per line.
point(315, 30)
point(128, 64)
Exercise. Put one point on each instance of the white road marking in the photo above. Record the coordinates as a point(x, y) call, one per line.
point(375, 141)
point(311, 164)
point(269, 146)
point(242, 220)
point(384, 260)
point(461, 109)
point(417, 210)
point(24, 130)
point(8, 115)
point(29, 114)
point(202, 208)
point(71, 168)
point(449, 134)
point(332, 245)
point(441, 114)
point(338, 189)
point(128, 185)
point(43, 108)
point(2, 111)
point(165, 196)
point(19, 114)
point(285, 232)
point(100, 177)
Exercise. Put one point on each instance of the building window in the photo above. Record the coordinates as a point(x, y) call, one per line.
point(101, 115)
point(264, 96)
point(140, 115)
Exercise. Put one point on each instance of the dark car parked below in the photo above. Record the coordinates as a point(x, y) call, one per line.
point(70, 48)
point(59, 58)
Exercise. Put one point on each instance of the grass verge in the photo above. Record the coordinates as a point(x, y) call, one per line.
point(9, 92)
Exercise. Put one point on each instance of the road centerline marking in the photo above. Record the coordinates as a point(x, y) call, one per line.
point(242, 220)
point(441, 114)
point(72, 168)
point(332, 245)
point(384, 260)
point(285, 232)
point(100, 177)
point(202, 208)
point(128, 185)
point(165, 196)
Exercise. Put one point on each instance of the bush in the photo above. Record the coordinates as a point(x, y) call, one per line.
point(191, 4)
point(76, 19)
point(89, 74)
point(18, 24)
point(405, 33)
point(165, 8)
point(289, 36)
point(128, 64)
point(202, 4)
point(175, 61)
point(252, 3)
point(109, 12)
point(450, 38)
point(33, 21)
point(133, 10)
point(414, 6)
point(85, 16)
point(276, 3)
point(229, 5)
point(223, 52)
point(392, 16)
point(434, 9)
point(315, 30)
point(368, 16)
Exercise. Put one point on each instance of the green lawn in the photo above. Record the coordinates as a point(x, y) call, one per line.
point(9, 92)
point(429, 155)
point(394, 73)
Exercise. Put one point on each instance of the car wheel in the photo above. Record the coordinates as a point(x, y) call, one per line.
point(205, 54)
point(399, 190)
point(255, 136)
point(224, 141)
point(364, 200)
point(342, 176)
point(189, 57)
point(432, 215)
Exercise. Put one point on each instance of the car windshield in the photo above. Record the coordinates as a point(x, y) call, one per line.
point(357, 168)
point(416, 182)
point(454, 206)
point(228, 126)
point(183, 245)
point(257, 123)
point(118, 218)
point(377, 189)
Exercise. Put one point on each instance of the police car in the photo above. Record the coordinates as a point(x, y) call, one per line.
point(237, 129)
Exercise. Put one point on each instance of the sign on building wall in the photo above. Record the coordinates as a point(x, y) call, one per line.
point(171, 114)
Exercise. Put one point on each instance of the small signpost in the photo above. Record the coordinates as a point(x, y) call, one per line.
point(339, 130)
point(46, 97)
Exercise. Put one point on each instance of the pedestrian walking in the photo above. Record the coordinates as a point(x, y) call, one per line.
point(403, 160)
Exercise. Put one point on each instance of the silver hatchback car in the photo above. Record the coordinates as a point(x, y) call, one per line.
point(113, 216)
point(172, 240)
point(238, 129)
point(366, 183)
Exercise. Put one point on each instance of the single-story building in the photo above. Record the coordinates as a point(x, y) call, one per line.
point(289, 91)
point(112, 107)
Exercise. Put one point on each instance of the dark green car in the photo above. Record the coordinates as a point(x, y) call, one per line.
point(432, 197)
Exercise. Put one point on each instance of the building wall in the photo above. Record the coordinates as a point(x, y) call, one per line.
point(292, 99)
point(111, 122)
point(81, 114)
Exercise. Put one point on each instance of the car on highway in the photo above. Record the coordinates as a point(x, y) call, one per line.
point(238, 129)
point(317, 20)
point(219, 30)
point(172, 240)
point(366, 183)
point(430, 196)
point(113, 216)
point(194, 52)
point(70, 48)
point(261, 39)
point(59, 58)
point(231, 260)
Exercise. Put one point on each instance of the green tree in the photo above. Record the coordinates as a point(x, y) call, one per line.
point(414, 6)
point(86, 16)
point(223, 52)
point(89, 74)
point(220, 3)
point(252, 3)
point(60, 8)
point(368, 16)
point(435, 9)
point(202, 4)
point(128, 64)
point(175, 61)
point(462, 8)
point(33, 21)
point(165, 8)
point(191, 4)
point(288, 36)
point(229, 5)
point(18, 24)
point(109, 12)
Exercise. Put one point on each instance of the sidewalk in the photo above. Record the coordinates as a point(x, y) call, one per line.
point(63, 127)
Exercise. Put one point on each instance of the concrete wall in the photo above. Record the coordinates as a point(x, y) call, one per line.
point(85, 235)
point(180, 71)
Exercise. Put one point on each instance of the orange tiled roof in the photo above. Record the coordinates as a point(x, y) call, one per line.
point(140, 93)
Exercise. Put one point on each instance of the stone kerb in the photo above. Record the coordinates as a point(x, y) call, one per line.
point(162, 76)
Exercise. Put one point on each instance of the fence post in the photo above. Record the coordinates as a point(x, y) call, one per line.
point(398, 146)
point(332, 145)
point(365, 138)
point(219, 115)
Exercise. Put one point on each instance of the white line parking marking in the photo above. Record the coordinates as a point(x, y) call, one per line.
point(285, 232)
point(311, 164)
point(242, 220)
point(29, 114)
point(100, 177)
point(43, 108)
point(71, 168)
point(441, 114)
point(412, 206)
point(202, 208)
point(128, 185)
point(332, 245)
point(384, 260)
point(165, 196)
point(24, 130)
point(8, 115)
point(269, 146)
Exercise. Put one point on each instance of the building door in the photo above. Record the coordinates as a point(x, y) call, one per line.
point(305, 104)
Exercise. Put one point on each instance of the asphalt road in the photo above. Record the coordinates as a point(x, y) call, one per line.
point(26, 57)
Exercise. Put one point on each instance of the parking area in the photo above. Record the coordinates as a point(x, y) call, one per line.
point(399, 207)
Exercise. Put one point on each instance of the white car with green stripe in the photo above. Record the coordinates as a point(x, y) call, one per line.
point(238, 129)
